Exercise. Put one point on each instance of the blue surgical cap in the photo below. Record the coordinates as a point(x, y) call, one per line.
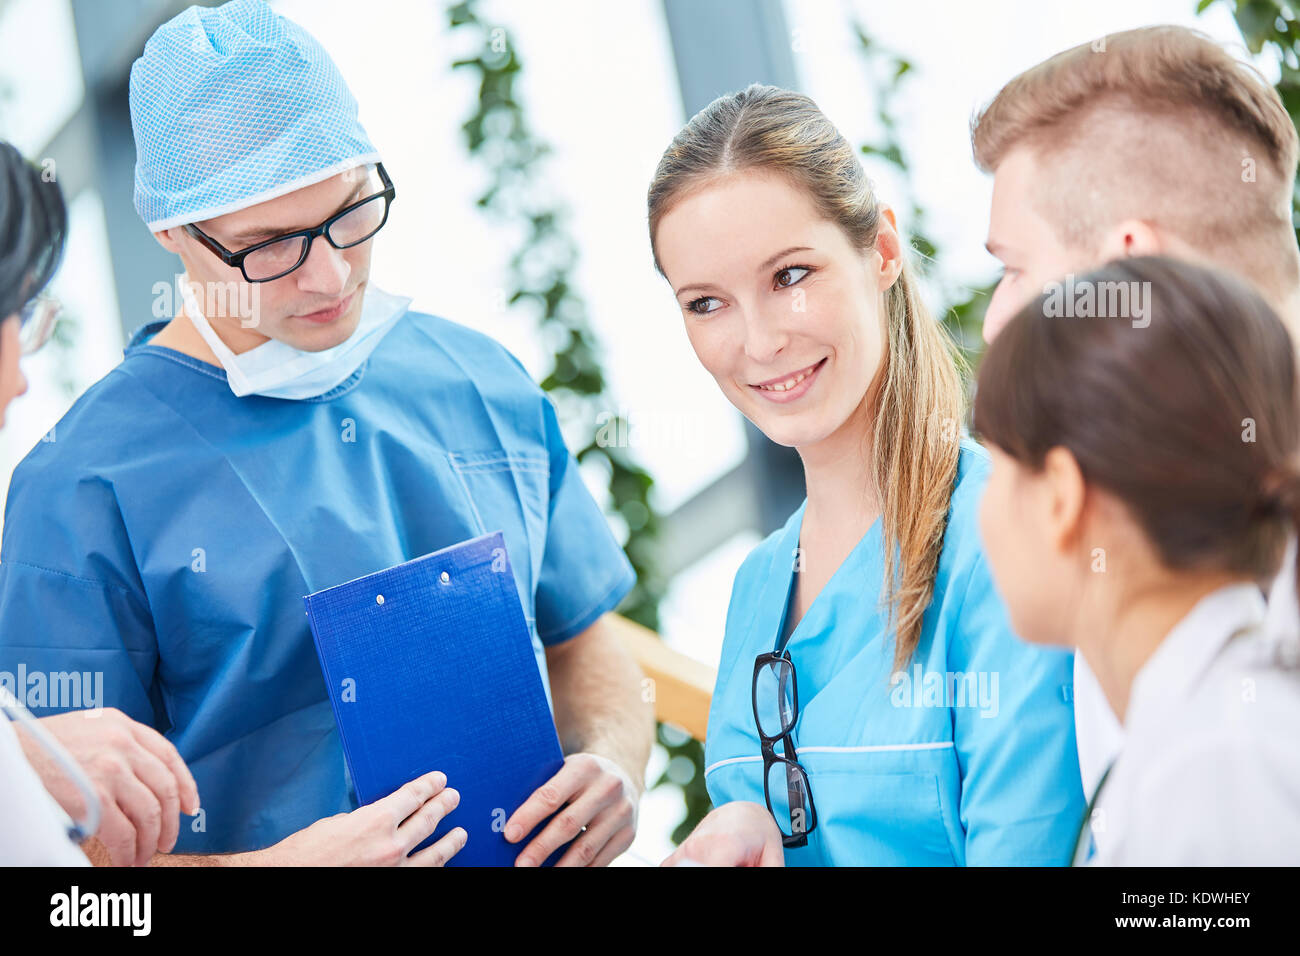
point(232, 106)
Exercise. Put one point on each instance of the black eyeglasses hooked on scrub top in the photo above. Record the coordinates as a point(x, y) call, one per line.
point(775, 695)
point(280, 255)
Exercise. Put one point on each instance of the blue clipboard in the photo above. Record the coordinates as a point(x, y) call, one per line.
point(430, 666)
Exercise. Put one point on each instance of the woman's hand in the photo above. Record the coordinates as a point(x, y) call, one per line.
point(739, 833)
point(141, 781)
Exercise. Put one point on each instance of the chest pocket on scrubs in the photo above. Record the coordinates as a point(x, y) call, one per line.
point(511, 493)
point(887, 818)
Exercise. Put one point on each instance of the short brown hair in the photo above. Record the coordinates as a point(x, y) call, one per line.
point(1161, 110)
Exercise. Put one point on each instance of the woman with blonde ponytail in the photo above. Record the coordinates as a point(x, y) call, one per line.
point(872, 705)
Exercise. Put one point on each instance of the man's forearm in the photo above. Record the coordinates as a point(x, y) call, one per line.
point(252, 858)
point(98, 856)
point(600, 707)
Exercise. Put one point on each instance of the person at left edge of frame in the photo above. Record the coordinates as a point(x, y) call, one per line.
point(56, 787)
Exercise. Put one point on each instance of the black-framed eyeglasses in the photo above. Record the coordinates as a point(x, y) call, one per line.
point(278, 256)
point(785, 782)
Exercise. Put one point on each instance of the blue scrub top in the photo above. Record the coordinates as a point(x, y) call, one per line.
point(167, 533)
point(966, 757)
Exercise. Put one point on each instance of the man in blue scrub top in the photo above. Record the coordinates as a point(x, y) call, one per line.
point(294, 427)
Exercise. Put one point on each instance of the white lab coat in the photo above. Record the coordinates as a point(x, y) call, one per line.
point(33, 827)
point(1209, 773)
point(1099, 734)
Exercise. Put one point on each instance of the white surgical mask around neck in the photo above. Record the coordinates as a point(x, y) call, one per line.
point(276, 369)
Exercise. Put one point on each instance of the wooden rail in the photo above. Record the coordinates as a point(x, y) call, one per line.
point(682, 686)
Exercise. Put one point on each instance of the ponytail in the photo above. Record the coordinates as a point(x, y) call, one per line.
point(916, 442)
point(1281, 496)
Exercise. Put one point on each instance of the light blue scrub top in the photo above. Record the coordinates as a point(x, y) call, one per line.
point(905, 772)
point(167, 535)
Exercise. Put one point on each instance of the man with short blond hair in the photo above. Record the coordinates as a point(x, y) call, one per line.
point(1151, 140)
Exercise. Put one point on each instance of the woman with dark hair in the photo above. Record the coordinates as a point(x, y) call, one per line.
point(33, 227)
point(128, 803)
point(1145, 482)
point(33, 223)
